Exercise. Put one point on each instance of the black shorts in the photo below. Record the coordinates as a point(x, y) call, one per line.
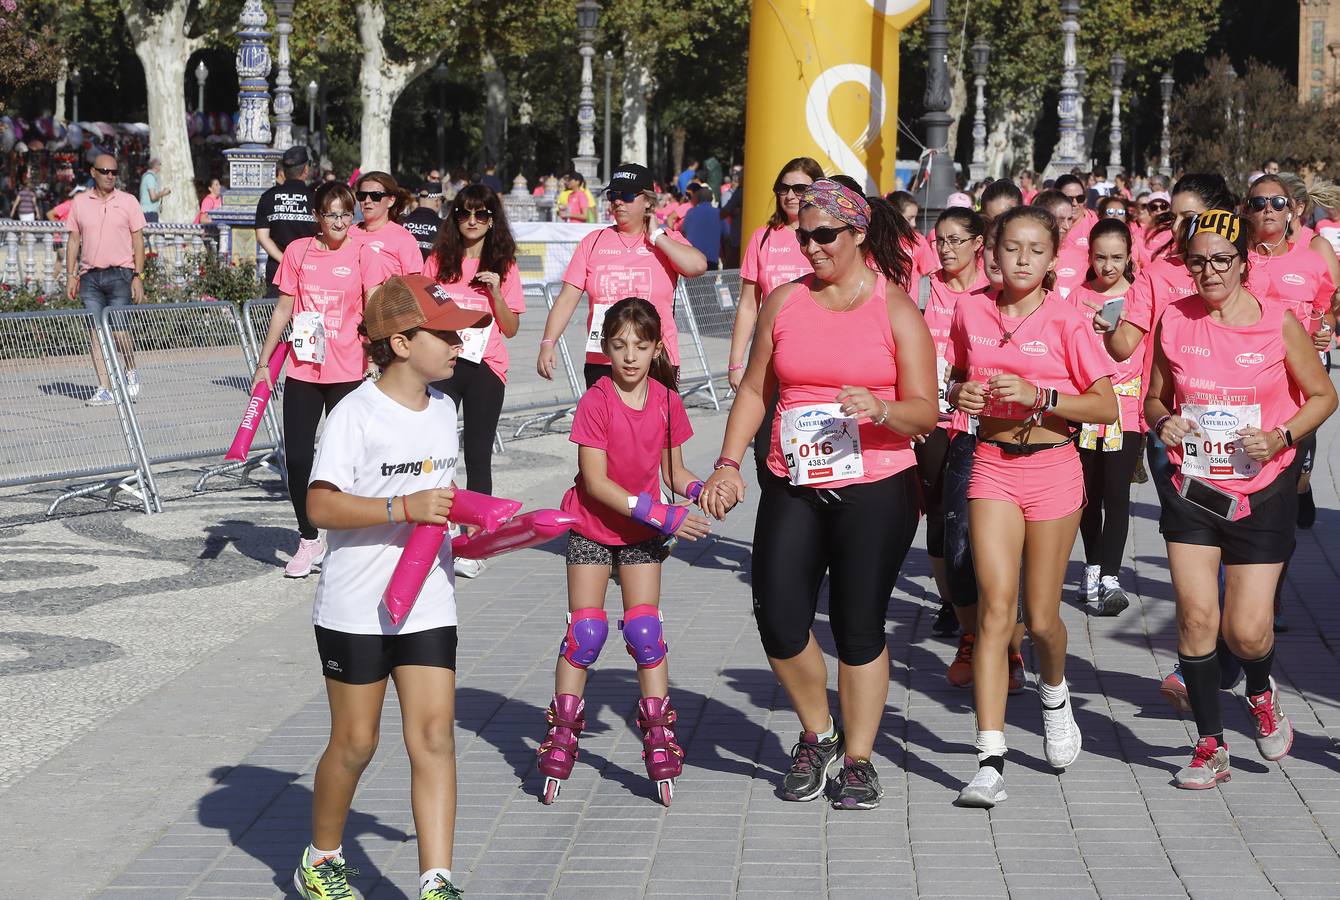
point(1265, 536)
point(369, 658)
point(582, 551)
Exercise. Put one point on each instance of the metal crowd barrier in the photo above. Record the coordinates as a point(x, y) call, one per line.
point(709, 303)
point(47, 433)
point(547, 401)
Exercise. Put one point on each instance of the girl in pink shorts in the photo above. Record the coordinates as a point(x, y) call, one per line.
point(1026, 365)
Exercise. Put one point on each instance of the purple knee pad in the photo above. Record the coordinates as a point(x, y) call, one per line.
point(641, 628)
point(587, 630)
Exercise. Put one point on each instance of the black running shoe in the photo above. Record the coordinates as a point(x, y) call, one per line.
point(857, 785)
point(811, 759)
point(946, 623)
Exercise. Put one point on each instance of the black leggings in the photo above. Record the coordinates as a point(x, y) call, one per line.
point(763, 438)
point(480, 391)
point(303, 403)
point(858, 534)
point(932, 455)
point(1106, 519)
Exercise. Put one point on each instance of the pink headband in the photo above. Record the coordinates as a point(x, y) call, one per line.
point(842, 203)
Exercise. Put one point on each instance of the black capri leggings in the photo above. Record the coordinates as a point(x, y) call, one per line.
point(931, 458)
point(858, 534)
point(478, 388)
point(1106, 519)
point(303, 404)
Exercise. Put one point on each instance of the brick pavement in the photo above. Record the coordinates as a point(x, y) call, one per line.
point(1111, 826)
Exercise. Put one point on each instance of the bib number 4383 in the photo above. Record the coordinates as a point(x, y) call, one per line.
point(820, 444)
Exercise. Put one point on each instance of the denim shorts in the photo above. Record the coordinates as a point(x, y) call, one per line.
point(101, 288)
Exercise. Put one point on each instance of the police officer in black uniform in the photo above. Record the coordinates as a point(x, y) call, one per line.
point(427, 216)
point(284, 214)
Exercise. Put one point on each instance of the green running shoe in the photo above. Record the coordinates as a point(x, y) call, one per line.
point(441, 889)
point(327, 880)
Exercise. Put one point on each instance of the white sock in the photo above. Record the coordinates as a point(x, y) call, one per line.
point(831, 732)
point(313, 854)
point(990, 743)
point(427, 879)
point(1053, 695)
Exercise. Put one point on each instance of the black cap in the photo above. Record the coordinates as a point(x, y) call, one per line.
point(431, 188)
point(631, 177)
point(295, 156)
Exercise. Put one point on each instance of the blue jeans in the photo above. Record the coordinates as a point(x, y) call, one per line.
point(958, 550)
point(101, 288)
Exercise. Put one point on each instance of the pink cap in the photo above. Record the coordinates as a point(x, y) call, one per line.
point(958, 199)
point(1160, 195)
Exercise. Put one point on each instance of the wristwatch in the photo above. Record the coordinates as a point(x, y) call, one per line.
point(139, 275)
point(656, 234)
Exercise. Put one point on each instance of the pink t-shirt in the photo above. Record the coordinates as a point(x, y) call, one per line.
point(1162, 282)
point(1330, 230)
point(1053, 347)
point(476, 296)
point(1126, 373)
point(939, 313)
point(61, 210)
point(1299, 279)
point(207, 203)
point(609, 268)
point(105, 226)
point(632, 440)
point(1072, 266)
point(772, 258)
point(860, 351)
point(333, 283)
point(924, 260)
point(576, 206)
point(393, 242)
point(1213, 363)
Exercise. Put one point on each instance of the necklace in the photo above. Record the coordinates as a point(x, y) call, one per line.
point(860, 287)
point(1000, 323)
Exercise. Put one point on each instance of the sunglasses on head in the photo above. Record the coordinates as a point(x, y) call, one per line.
point(1115, 212)
point(104, 171)
point(1277, 203)
point(374, 196)
point(622, 196)
point(797, 189)
point(825, 235)
point(465, 215)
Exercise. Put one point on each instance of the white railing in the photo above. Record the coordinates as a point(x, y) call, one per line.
point(32, 254)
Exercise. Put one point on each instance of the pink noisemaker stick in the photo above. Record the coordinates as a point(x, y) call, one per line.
point(260, 398)
point(525, 530)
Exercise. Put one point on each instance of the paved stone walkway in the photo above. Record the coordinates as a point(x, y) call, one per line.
point(163, 728)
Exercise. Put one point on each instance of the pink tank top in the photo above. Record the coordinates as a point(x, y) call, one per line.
point(1220, 365)
point(1298, 279)
point(816, 351)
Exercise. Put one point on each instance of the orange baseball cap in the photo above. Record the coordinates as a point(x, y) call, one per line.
point(416, 301)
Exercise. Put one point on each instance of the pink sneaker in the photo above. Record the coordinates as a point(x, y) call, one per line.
point(308, 557)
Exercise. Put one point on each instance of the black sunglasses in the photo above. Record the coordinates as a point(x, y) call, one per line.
point(104, 171)
point(820, 235)
point(624, 196)
point(465, 215)
point(374, 196)
point(797, 189)
point(1277, 203)
point(1159, 206)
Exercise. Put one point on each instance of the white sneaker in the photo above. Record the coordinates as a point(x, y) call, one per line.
point(986, 789)
point(468, 568)
point(309, 556)
point(1088, 589)
point(101, 397)
point(133, 383)
point(1061, 738)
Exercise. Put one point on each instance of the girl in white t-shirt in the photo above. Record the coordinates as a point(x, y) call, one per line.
point(386, 462)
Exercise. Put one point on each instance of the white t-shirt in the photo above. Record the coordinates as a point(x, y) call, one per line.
point(374, 447)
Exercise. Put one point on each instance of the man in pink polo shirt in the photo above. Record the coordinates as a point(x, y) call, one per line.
point(105, 263)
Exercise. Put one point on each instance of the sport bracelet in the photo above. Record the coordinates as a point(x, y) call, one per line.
point(725, 462)
point(390, 515)
point(1158, 426)
point(735, 368)
point(548, 341)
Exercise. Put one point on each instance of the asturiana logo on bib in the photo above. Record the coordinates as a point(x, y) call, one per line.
point(1249, 359)
point(814, 420)
point(1218, 420)
point(1291, 278)
point(417, 467)
point(1034, 348)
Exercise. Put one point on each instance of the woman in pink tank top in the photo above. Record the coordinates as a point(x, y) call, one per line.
point(855, 366)
point(1234, 386)
point(1027, 365)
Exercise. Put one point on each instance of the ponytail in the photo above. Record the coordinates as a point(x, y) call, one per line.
point(889, 239)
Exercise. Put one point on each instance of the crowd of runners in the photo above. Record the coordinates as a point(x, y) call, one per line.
point(1064, 351)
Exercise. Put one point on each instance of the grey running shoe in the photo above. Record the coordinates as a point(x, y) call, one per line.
point(1112, 600)
point(1088, 586)
point(986, 789)
point(133, 383)
point(811, 759)
point(101, 397)
point(1274, 733)
point(1061, 738)
point(857, 785)
point(1209, 766)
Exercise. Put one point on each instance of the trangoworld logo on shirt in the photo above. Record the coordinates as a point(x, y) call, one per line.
point(417, 467)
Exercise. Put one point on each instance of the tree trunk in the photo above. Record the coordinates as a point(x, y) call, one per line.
point(380, 83)
point(61, 113)
point(958, 105)
point(163, 47)
point(497, 110)
point(637, 87)
point(679, 136)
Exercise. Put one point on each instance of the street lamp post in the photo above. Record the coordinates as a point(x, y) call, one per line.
point(1068, 148)
point(939, 183)
point(609, 91)
point(981, 58)
point(1082, 114)
point(75, 81)
point(283, 102)
point(1165, 142)
point(440, 78)
point(1116, 67)
point(201, 73)
point(585, 162)
point(312, 90)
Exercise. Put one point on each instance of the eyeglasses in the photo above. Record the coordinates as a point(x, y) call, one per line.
point(952, 242)
point(612, 195)
point(797, 189)
point(820, 235)
point(336, 216)
point(374, 196)
point(104, 171)
point(465, 215)
point(1221, 263)
point(1115, 213)
point(1258, 204)
point(1159, 206)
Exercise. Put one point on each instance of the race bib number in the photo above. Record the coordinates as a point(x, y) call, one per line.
point(476, 341)
point(309, 337)
point(596, 335)
point(1213, 451)
point(942, 375)
point(820, 444)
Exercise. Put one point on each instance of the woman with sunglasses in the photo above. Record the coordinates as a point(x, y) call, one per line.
point(1158, 234)
point(854, 363)
point(473, 262)
point(627, 259)
point(322, 283)
point(1235, 384)
point(382, 202)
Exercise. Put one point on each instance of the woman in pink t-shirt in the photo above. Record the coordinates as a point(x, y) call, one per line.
point(382, 202)
point(1234, 386)
point(852, 359)
point(1027, 366)
point(630, 427)
point(212, 200)
point(628, 259)
point(473, 260)
point(322, 282)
